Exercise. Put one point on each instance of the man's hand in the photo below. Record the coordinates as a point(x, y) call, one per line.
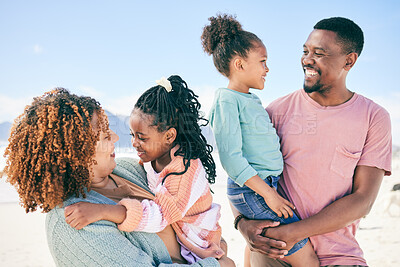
point(252, 231)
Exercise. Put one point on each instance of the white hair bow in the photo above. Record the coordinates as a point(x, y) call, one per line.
point(165, 83)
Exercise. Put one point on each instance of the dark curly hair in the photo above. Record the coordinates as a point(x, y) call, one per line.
point(51, 148)
point(349, 34)
point(179, 109)
point(224, 38)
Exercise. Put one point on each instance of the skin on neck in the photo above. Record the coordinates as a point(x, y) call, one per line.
point(236, 85)
point(333, 97)
point(160, 163)
point(102, 182)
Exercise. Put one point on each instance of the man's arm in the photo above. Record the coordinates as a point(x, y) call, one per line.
point(252, 231)
point(339, 214)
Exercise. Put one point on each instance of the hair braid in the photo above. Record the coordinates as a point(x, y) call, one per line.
point(180, 109)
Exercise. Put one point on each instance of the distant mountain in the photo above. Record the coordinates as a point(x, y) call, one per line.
point(119, 124)
point(5, 128)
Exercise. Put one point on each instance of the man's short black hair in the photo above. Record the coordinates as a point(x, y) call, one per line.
point(349, 34)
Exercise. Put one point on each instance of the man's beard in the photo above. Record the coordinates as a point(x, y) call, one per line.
point(317, 87)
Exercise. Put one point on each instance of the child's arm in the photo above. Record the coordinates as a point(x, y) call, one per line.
point(170, 204)
point(81, 214)
point(278, 204)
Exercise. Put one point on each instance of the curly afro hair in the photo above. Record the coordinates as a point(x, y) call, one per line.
point(51, 149)
point(224, 38)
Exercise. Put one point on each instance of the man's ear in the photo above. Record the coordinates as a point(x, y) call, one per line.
point(170, 135)
point(350, 60)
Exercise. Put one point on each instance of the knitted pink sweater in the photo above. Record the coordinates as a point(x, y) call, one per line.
point(184, 201)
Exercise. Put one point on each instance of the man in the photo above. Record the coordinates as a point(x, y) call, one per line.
point(336, 146)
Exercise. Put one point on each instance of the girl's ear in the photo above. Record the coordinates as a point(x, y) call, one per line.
point(238, 63)
point(170, 136)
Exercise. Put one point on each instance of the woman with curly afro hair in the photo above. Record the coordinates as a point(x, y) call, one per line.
point(60, 152)
point(51, 148)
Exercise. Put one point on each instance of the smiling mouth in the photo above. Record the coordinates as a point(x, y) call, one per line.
point(310, 73)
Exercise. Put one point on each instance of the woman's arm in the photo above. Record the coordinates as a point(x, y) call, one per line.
point(102, 244)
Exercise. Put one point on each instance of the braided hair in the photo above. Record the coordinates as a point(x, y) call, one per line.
point(180, 109)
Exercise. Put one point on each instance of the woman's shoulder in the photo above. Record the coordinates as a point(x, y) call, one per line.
point(131, 170)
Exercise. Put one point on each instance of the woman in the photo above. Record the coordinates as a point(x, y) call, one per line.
point(61, 151)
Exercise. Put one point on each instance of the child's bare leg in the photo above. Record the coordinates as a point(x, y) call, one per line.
point(304, 257)
point(246, 257)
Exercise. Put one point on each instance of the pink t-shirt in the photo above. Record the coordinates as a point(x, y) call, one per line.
point(321, 148)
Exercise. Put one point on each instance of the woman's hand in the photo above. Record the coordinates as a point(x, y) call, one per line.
point(224, 261)
point(252, 231)
point(80, 214)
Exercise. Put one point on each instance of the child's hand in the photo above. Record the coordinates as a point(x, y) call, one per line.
point(80, 214)
point(213, 250)
point(279, 205)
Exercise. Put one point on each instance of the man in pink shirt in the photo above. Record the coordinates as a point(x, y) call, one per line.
point(336, 146)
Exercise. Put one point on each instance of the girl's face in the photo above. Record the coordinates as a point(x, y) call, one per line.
point(255, 66)
point(105, 155)
point(150, 144)
point(249, 72)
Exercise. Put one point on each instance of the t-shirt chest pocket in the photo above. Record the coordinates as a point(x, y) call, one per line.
point(344, 162)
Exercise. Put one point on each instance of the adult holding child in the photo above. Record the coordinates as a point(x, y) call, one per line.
point(248, 145)
point(167, 136)
point(336, 146)
point(61, 151)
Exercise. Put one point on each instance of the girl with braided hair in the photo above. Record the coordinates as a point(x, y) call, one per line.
point(248, 145)
point(167, 136)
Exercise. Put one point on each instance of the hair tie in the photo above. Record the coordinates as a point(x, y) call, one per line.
point(165, 83)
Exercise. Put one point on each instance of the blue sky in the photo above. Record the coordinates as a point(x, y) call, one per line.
point(114, 50)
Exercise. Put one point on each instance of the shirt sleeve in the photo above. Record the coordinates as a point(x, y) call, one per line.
point(228, 136)
point(377, 151)
point(153, 216)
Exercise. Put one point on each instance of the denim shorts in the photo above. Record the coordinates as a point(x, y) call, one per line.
point(253, 206)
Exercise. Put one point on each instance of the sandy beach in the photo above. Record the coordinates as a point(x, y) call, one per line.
point(23, 238)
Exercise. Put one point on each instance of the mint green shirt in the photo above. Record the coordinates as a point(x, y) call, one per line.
point(247, 142)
